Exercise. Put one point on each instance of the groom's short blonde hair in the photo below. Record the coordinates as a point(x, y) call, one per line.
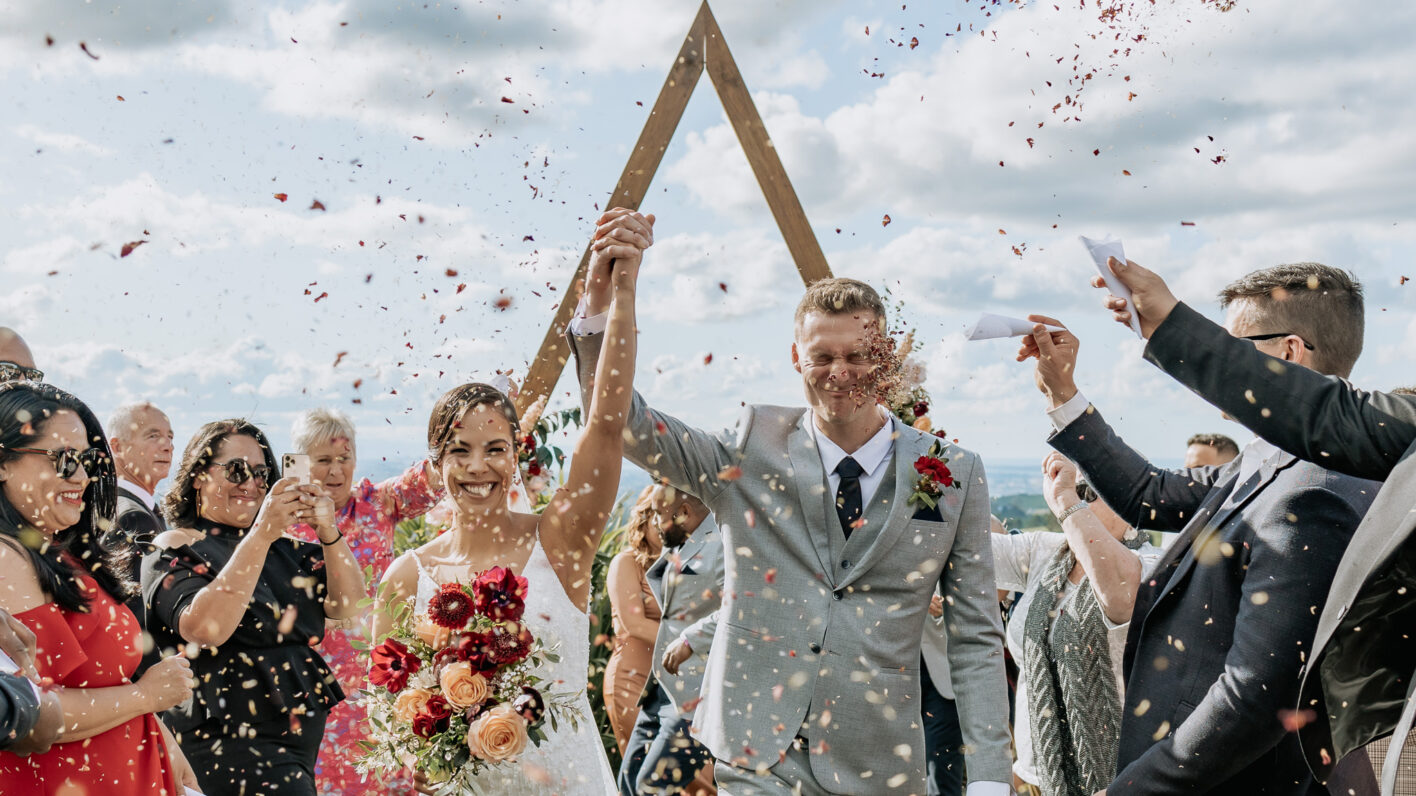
point(839, 296)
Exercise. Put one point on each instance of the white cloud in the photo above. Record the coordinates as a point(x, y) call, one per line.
point(63, 142)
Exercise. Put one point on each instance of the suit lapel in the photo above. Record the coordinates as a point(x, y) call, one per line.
point(1234, 501)
point(813, 491)
point(868, 544)
point(655, 577)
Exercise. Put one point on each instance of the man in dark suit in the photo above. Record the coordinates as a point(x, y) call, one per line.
point(1357, 686)
point(1222, 626)
point(141, 438)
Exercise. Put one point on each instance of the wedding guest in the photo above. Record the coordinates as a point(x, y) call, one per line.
point(664, 755)
point(141, 438)
point(635, 616)
point(814, 668)
point(249, 603)
point(1069, 633)
point(30, 719)
point(56, 492)
point(1222, 629)
point(1209, 450)
point(1360, 663)
point(16, 361)
point(366, 514)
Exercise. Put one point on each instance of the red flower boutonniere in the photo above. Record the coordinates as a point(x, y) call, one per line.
point(934, 478)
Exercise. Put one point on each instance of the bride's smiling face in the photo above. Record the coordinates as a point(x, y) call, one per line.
point(478, 462)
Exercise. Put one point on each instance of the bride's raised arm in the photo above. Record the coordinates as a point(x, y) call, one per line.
point(571, 526)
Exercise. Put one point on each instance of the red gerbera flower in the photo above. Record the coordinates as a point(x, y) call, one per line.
point(475, 649)
point(393, 664)
point(509, 643)
point(500, 594)
point(451, 607)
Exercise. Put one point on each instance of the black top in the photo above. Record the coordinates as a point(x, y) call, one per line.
point(267, 668)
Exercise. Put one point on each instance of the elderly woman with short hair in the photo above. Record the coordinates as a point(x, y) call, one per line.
point(367, 514)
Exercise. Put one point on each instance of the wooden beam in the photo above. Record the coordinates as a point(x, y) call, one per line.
point(704, 47)
point(633, 184)
point(762, 156)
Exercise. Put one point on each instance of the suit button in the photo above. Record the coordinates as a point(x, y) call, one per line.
point(814, 647)
point(837, 594)
point(845, 563)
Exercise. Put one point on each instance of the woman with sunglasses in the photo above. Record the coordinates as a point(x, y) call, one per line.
point(57, 491)
point(228, 581)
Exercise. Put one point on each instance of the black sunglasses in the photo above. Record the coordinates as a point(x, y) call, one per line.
point(67, 461)
point(1257, 337)
point(239, 471)
point(12, 371)
point(1085, 492)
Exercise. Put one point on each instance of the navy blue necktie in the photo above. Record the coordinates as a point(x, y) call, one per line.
point(848, 500)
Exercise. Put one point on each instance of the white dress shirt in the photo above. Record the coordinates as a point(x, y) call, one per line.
point(141, 494)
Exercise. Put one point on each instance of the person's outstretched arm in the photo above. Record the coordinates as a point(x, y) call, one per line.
point(1319, 418)
point(571, 526)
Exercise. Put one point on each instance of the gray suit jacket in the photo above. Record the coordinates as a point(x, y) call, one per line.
point(819, 636)
point(688, 584)
point(1360, 673)
point(1221, 627)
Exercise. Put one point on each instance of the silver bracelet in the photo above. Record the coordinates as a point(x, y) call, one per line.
point(1073, 509)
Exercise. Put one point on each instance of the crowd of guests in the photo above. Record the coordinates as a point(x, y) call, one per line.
point(212, 638)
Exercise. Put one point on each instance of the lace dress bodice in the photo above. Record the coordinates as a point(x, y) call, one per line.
point(571, 762)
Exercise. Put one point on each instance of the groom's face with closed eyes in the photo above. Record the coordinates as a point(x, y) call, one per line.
point(836, 356)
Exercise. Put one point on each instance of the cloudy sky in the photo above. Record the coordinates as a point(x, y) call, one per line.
point(461, 150)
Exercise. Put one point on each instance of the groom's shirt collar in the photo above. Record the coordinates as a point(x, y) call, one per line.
point(871, 456)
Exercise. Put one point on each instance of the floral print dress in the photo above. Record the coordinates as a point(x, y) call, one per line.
point(367, 521)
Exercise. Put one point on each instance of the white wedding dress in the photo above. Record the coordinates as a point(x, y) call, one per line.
point(570, 762)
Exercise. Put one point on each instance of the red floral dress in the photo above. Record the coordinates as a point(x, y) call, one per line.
point(367, 521)
point(93, 650)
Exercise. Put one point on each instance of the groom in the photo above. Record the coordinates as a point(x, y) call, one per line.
point(812, 683)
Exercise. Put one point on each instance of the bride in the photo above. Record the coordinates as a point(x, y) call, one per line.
point(472, 443)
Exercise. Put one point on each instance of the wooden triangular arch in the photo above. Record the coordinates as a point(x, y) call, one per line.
point(704, 48)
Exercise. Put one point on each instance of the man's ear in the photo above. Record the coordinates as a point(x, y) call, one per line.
point(796, 357)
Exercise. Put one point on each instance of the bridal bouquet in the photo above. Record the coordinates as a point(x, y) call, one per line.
point(454, 690)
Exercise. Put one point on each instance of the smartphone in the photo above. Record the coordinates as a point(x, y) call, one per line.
point(296, 465)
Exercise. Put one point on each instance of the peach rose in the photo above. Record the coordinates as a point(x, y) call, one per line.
point(433, 635)
point(923, 424)
point(497, 735)
point(409, 703)
point(463, 687)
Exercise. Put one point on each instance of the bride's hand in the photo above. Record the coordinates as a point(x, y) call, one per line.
point(422, 785)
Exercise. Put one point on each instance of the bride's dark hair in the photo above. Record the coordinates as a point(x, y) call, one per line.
point(447, 414)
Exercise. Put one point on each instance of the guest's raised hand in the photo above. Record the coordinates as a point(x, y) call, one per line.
point(1150, 296)
point(285, 505)
point(1056, 355)
point(320, 512)
point(1059, 482)
point(168, 683)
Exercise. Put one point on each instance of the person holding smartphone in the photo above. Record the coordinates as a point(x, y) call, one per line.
point(249, 603)
point(57, 487)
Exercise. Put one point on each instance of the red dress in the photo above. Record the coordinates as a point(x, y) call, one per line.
point(93, 650)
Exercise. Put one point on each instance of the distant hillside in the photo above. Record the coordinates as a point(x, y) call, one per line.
point(1024, 512)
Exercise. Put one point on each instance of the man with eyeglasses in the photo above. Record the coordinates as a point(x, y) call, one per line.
point(1223, 624)
point(16, 361)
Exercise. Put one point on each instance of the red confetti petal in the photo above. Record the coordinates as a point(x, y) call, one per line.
point(282, 197)
point(129, 247)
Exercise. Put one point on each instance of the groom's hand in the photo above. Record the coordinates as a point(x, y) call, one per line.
point(616, 249)
point(1150, 296)
point(1056, 354)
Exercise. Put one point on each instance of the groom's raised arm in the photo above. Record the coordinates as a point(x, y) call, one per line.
point(689, 458)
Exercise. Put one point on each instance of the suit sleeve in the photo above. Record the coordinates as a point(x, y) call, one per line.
point(699, 635)
point(661, 444)
point(1144, 496)
point(976, 637)
point(1322, 419)
point(19, 709)
point(1293, 554)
